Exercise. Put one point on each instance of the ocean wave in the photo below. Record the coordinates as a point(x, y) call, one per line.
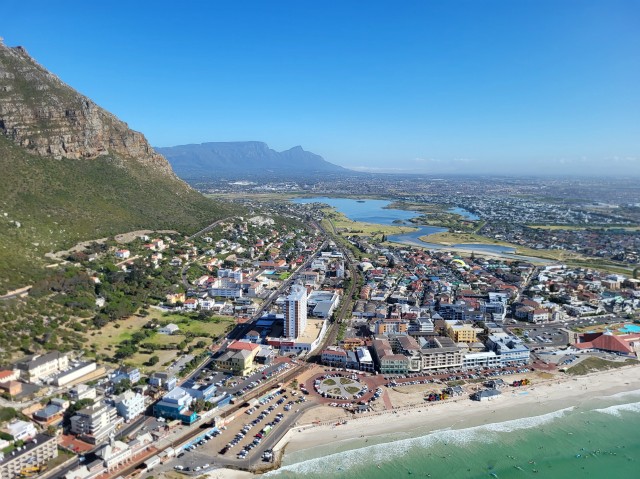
point(619, 408)
point(635, 392)
point(385, 452)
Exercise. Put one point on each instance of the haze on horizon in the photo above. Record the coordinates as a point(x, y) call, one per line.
point(493, 87)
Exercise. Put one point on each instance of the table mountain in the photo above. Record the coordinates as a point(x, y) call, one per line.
point(237, 157)
point(72, 171)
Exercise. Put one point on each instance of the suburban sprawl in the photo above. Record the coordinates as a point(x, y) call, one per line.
point(152, 350)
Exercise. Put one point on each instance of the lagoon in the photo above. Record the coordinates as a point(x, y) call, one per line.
point(378, 211)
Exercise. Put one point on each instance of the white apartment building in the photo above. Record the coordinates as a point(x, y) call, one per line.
point(130, 405)
point(95, 423)
point(295, 312)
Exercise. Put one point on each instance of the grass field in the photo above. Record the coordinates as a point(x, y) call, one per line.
point(345, 225)
point(600, 264)
point(114, 333)
point(448, 239)
point(590, 365)
point(581, 228)
point(110, 336)
point(600, 328)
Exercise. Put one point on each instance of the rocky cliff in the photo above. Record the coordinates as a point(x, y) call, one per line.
point(71, 171)
point(44, 115)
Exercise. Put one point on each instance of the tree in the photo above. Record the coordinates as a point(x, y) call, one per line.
point(153, 360)
point(122, 386)
point(198, 405)
point(81, 404)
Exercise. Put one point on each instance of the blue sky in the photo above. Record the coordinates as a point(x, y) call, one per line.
point(478, 86)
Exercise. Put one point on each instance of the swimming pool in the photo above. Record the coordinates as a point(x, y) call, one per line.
point(630, 328)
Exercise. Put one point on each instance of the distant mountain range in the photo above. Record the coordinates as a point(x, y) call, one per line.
point(244, 157)
point(71, 171)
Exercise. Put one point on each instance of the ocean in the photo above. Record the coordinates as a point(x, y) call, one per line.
point(599, 439)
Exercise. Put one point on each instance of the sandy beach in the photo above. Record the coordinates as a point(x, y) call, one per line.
point(540, 398)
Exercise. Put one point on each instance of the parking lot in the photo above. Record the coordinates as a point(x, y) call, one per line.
point(538, 335)
point(256, 428)
point(235, 385)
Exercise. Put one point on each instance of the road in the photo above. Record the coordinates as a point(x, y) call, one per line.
point(332, 333)
point(16, 293)
point(206, 228)
point(240, 330)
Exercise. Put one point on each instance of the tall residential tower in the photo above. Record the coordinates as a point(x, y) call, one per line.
point(295, 312)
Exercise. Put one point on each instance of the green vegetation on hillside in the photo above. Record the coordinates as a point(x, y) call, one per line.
point(48, 205)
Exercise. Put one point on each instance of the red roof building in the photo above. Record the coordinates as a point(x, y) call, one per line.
point(242, 346)
point(622, 344)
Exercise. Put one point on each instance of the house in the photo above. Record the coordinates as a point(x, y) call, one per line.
point(238, 359)
point(174, 298)
point(486, 395)
point(496, 384)
point(7, 375)
point(191, 304)
point(454, 391)
point(123, 254)
point(538, 315)
point(253, 336)
point(169, 329)
point(21, 430)
point(50, 414)
point(163, 380)
point(12, 388)
point(129, 373)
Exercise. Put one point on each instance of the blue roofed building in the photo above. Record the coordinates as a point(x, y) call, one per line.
point(198, 390)
point(175, 405)
point(510, 349)
point(132, 374)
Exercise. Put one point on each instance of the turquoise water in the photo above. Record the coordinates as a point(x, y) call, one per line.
point(630, 328)
point(601, 441)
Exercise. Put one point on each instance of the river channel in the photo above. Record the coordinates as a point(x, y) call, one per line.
point(377, 211)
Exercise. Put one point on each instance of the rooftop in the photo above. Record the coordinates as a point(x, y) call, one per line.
point(311, 331)
point(28, 447)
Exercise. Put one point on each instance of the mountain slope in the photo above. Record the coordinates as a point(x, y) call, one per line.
point(228, 158)
point(71, 171)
